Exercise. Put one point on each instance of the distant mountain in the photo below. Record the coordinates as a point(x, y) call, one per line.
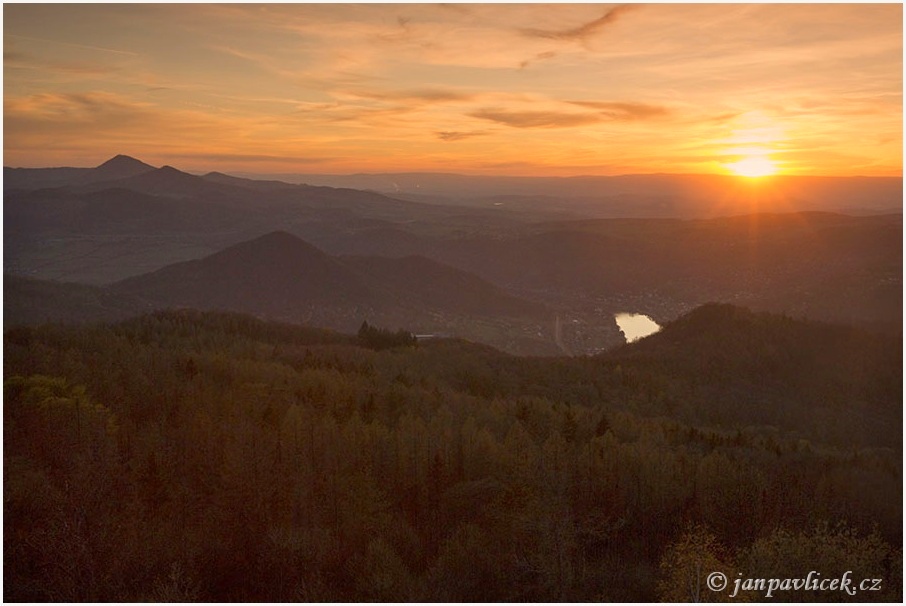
point(223, 179)
point(277, 275)
point(819, 265)
point(113, 210)
point(165, 181)
point(126, 218)
point(280, 276)
point(118, 167)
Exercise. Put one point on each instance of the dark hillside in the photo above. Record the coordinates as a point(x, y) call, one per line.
point(774, 370)
point(27, 301)
point(421, 283)
point(275, 275)
point(279, 276)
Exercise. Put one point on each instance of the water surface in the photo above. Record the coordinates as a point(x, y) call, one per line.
point(636, 326)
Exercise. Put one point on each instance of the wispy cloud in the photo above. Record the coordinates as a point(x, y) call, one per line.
point(536, 119)
point(539, 57)
point(452, 135)
point(107, 121)
point(24, 61)
point(72, 107)
point(101, 49)
point(426, 95)
point(615, 110)
point(367, 116)
point(581, 32)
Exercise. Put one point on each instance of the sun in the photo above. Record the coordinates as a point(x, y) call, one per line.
point(753, 166)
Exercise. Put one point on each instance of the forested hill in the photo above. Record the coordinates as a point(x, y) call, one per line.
point(828, 381)
point(187, 455)
point(282, 276)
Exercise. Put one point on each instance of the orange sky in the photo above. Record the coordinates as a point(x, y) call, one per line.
point(541, 89)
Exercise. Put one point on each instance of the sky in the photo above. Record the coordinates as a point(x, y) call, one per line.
point(533, 89)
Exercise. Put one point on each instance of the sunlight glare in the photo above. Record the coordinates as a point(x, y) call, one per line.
point(753, 166)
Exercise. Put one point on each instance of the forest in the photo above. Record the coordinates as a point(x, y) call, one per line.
point(212, 456)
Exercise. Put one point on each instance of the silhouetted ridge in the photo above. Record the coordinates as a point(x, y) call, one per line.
point(720, 330)
point(280, 276)
point(123, 162)
point(118, 167)
point(761, 354)
point(715, 317)
point(168, 172)
point(167, 181)
point(277, 246)
point(264, 185)
point(277, 275)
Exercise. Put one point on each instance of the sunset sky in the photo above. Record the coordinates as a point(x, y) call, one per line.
point(540, 89)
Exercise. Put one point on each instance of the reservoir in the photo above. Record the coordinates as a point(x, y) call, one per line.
point(636, 326)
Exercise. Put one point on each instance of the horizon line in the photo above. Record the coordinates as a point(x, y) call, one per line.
point(470, 175)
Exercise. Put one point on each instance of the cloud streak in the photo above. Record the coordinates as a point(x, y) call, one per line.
point(536, 119)
point(625, 111)
point(23, 61)
point(450, 135)
point(582, 32)
point(114, 51)
point(427, 95)
point(539, 57)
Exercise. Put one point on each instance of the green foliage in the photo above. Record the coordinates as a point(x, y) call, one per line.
point(832, 551)
point(686, 564)
point(214, 457)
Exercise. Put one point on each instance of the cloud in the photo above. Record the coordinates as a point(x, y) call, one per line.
point(74, 107)
point(452, 135)
point(332, 70)
point(583, 31)
point(101, 49)
point(723, 118)
point(17, 60)
point(536, 119)
point(366, 116)
point(383, 108)
point(615, 110)
point(402, 33)
point(104, 120)
point(536, 58)
point(428, 95)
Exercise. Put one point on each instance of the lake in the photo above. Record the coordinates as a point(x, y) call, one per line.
point(636, 326)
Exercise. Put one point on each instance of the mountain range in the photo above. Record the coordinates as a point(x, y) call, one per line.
point(431, 262)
